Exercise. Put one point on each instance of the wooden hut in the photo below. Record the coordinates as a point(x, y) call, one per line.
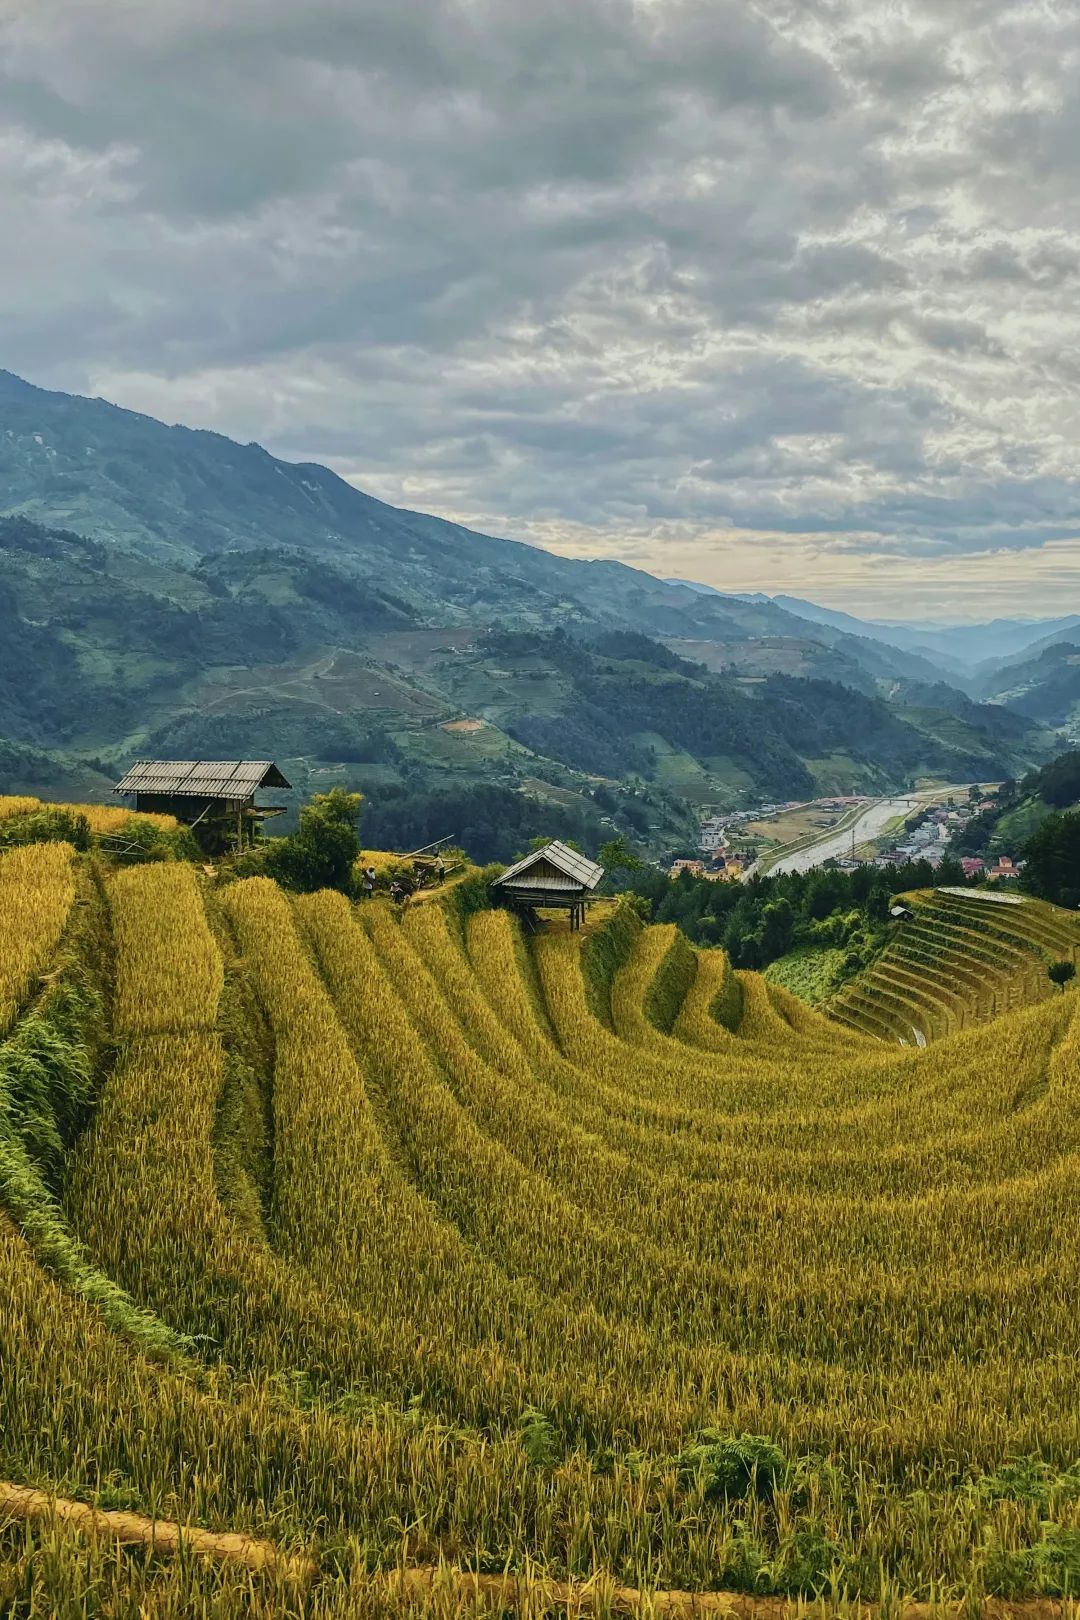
point(217, 796)
point(554, 876)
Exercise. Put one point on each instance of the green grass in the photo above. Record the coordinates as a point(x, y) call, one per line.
point(1017, 826)
point(813, 972)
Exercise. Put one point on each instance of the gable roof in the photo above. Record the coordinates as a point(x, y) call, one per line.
point(577, 869)
point(201, 778)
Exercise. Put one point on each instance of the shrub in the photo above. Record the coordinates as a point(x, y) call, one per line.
point(1061, 973)
point(46, 826)
point(732, 1466)
point(538, 1438)
point(322, 851)
point(141, 840)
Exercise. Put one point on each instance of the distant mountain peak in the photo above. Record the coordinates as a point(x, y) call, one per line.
point(13, 387)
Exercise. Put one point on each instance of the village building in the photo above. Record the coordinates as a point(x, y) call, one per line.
point(555, 876)
point(695, 868)
point(214, 797)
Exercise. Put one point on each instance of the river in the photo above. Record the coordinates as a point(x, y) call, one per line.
point(869, 824)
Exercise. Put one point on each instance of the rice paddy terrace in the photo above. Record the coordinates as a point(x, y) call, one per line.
point(440, 1270)
point(964, 957)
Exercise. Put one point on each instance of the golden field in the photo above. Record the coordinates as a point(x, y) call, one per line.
point(411, 1243)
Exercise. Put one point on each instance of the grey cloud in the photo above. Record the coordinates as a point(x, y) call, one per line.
point(805, 268)
point(956, 335)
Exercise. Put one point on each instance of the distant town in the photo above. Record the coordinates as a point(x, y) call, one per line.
point(843, 832)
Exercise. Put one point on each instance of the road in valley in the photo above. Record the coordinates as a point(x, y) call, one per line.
point(870, 823)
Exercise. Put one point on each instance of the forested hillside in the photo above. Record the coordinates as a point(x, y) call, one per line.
point(169, 593)
point(1021, 807)
point(1045, 687)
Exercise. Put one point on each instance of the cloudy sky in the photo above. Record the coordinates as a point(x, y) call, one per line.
point(780, 296)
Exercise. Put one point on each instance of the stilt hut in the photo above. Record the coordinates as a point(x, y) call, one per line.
point(553, 876)
point(215, 797)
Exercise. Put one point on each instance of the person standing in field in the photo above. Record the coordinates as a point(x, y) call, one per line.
point(369, 882)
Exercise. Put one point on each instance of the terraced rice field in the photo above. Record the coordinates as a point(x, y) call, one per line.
point(964, 958)
point(102, 819)
point(415, 1248)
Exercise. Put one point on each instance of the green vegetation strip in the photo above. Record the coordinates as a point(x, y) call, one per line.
point(48, 1069)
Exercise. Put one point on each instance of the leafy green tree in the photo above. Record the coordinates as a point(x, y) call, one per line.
point(777, 929)
point(1052, 857)
point(321, 853)
point(878, 902)
point(1061, 974)
point(616, 855)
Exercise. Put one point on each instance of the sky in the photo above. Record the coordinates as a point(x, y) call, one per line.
point(778, 297)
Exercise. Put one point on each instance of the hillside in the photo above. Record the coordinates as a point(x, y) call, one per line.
point(398, 1242)
point(106, 657)
point(1045, 687)
point(177, 497)
point(966, 650)
point(1022, 807)
point(961, 959)
point(168, 592)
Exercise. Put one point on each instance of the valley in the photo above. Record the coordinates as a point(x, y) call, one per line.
point(539, 810)
point(860, 828)
point(169, 593)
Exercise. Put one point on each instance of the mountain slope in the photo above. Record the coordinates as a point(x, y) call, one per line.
point(176, 495)
point(215, 602)
point(1021, 808)
point(1045, 687)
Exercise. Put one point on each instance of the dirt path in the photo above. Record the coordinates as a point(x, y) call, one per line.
point(531, 1593)
point(160, 1536)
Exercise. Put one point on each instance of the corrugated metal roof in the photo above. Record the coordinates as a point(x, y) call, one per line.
point(201, 778)
point(571, 870)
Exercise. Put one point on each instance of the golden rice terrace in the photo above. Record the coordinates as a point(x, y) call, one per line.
point(421, 1251)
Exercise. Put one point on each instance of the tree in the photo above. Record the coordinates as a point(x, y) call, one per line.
point(616, 855)
point(543, 840)
point(1061, 974)
point(1052, 857)
point(321, 853)
point(878, 902)
point(777, 929)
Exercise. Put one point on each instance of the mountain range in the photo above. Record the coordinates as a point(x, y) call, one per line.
point(168, 591)
point(965, 649)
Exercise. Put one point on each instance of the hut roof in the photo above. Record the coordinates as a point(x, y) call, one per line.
point(554, 867)
point(201, 778)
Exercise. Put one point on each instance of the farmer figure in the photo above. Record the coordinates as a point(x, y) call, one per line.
point(369, 882)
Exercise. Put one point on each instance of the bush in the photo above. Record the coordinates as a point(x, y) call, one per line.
point(474, 894)
point(141, 840)
point(46, 826)
point(322, 852)
point(1061, 973)
point(732, 1466)
point(538, 1438)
